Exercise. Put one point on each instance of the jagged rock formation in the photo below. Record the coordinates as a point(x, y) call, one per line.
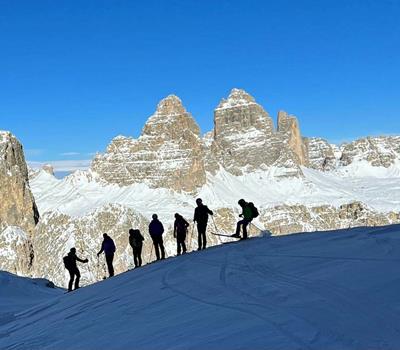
point(17, 205)
point(286, 219)
point(18, 211)
point(321, 155)
point(245, 139)
point(48, 168)
point(378, 151)
point(288, 127)
point(16, 253)
point(169, 152)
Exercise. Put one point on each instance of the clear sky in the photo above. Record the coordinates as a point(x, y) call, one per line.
point(74, 74)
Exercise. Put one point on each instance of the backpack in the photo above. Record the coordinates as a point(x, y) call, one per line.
point(254, 210)
point(67, 262)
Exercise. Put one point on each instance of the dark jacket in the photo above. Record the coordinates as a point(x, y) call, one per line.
point(201, 214)
point(71, 262)
point(136, 239)
point(247, 213)
point(108, 246)
point(156, 228)
point(180, 227)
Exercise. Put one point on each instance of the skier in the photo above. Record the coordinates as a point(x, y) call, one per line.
point(201, 217)
point(70, 264)
point(108, 247)
point(247, 215)
point(180, 230)
point(156, 230)
point(136, 242)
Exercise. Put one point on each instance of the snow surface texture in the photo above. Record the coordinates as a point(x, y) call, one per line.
point(83, 191)
point(331, 290)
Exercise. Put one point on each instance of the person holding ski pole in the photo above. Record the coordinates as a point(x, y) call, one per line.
point(247, 215)
point(201, 218)
point(156, 230)
point(70, 264)
point(136, 241)
point(108, 247)
point(180, 231)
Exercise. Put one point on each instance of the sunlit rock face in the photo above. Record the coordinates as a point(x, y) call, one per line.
point(168, 153)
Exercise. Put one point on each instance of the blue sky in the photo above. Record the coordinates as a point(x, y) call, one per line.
point(74, 74)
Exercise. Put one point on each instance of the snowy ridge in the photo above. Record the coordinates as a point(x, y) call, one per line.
point(83, 191)
point(304, 291)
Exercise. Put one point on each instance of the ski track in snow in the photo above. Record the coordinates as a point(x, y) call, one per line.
point(331, 290)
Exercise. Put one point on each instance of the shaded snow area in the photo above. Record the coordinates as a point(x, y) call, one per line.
point(20, 293)
point(330, 290)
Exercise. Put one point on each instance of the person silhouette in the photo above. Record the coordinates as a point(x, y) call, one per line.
point(136, 241)
point(247, 215)
point(156, 230)
point(74, 273)
point(108, 247)
point(201, 217)
point(180, 230)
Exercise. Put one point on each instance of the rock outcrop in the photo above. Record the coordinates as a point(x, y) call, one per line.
point(169, 152)
point(17, 205)
point(320, 154)
point(378, 151)
point(245, 139)
point(286, 219)
point(18, 211)
point(16, 253)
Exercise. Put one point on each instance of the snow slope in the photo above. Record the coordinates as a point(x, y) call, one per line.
point(330, 290)
point(83, 191)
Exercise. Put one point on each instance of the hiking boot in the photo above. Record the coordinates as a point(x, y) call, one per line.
point(235, 235)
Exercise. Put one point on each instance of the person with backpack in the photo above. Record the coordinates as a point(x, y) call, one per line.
point(201, 217)
point(249, 212)
point(180, 231)
point(136, 241)
point(108, 247)
point(156, 230)
point(70, 264)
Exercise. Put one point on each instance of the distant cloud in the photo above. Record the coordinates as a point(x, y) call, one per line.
point(63, 165)
point(68, 154)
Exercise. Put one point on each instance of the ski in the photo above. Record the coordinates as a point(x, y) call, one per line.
point(220, 234)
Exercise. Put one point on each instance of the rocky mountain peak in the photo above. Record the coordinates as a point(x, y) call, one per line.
point(48, 168)
point(170, 120)
point(170, 105)
point(168, 153)
point(237, 97)
point(288, 127)
point(17, 207)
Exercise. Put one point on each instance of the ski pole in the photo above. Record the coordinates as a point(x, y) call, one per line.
point(215, 225)
point(98, 268)
point(191, 237)
point(151, 252)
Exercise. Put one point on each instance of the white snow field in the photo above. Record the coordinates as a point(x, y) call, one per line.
point(83, 191)
point(324, 290)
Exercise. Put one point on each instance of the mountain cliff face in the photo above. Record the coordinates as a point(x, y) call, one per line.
point(244, 139)
point(378, 151)
point(17, 205)
point(168, 153)
point(18, 211)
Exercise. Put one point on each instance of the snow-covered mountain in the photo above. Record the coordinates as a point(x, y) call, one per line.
point(298, 184)
point(327, 290)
